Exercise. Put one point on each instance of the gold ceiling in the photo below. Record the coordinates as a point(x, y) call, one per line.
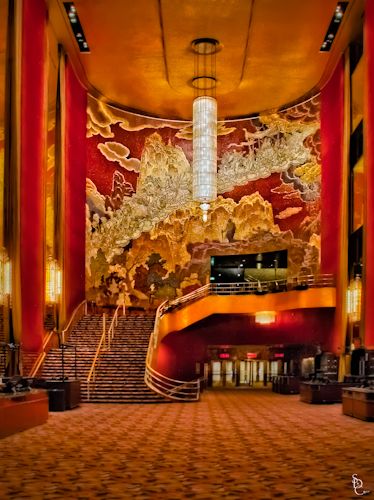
point(141, 55)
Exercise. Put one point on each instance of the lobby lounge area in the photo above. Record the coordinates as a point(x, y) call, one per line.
point(234, 445)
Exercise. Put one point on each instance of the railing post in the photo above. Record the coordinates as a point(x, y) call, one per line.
point(85, 308)
point(124, 308)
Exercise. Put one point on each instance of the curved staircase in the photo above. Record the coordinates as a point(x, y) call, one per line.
point(120, 370)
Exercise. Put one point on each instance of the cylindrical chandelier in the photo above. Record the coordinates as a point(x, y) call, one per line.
point(204, 124)
point(53, 281)
point(5, 276)
point(204, 149)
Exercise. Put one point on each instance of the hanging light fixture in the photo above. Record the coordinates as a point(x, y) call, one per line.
point(205, 124)
point(5, 275)
point(53, 281)
point(354, 299)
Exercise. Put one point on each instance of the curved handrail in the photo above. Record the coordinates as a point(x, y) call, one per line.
point(253, 287)
point(113, 324)
point(178, 390)
point(104, 344)
point(74, 318)
point(181, 390)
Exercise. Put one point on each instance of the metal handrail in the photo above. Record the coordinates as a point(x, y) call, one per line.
point(42, 355)
point(73, 320)
point(181, 390)
point(113, 323)
point(253, 287)
point(178, 390)
point(104, 344)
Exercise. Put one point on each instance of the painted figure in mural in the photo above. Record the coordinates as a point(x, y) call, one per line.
point(230, 230)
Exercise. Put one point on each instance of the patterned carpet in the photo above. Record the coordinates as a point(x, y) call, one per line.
point(231, 445)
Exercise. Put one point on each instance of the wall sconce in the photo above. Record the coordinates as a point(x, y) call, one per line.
point(354, 299)
point(53, 281)
point(5, 275)
point(265, 317)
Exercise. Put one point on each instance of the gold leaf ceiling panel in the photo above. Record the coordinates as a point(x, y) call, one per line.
point(141, 58)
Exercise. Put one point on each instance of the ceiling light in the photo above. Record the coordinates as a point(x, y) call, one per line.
point(204, 189)
point(333, 26)
point(76, 26)
point(265, 317)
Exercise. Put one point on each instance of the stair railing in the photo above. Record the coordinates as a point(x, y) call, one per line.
point(78, 313)
point(104, 345)
point(113, 324)
point(42, 355)
point(178, 390)
point(190, 390)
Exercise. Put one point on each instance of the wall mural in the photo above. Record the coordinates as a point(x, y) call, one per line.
point(146, 240)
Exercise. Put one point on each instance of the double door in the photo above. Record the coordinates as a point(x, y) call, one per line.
point(235, 373)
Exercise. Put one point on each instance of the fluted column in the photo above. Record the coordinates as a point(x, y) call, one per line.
point(333, 197)
point(368, 278)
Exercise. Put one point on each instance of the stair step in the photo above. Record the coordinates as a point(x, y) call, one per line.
point(120, 370)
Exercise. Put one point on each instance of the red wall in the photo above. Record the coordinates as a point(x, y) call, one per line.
point(179, 351)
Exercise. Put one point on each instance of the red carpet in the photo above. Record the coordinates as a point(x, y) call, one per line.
point(231, 445)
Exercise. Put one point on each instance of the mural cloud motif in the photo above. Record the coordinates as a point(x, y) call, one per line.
point(288, 212)
point(288, 191)
point(95, 200)
point(99, 119)
point(114, 151)
point(135, 127)
point(187, 133)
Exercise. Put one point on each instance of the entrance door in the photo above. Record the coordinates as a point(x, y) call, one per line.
point(223, 373)
point(253, 373)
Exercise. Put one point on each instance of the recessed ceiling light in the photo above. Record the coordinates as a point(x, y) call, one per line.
point(76, 26)
point(334, 26)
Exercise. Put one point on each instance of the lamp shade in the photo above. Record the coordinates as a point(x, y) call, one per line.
point(204, 149)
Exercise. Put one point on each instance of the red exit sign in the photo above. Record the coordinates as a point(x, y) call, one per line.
point(224, 355)
point(279, 355)
point(251, 355)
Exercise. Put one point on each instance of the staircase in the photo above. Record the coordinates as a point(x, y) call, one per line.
point(85, 338)
point(120, 371)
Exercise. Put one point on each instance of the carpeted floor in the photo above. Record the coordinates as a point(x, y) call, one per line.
point(231, 445)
